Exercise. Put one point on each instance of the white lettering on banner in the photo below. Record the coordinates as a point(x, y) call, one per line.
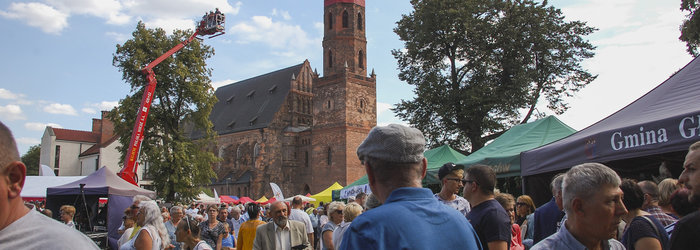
point(621, 141)
point(501, 168)
point(686, 126)
point(353, 191)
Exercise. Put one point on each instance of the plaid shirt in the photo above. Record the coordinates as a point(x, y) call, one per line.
point(659, 215)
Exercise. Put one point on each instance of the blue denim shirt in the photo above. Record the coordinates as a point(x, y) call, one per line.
point(410, 218)
point(564, 240)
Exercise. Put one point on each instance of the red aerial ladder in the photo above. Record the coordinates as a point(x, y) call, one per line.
point(211, 24)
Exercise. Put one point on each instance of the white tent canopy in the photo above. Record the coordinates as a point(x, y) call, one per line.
point(303, 198)
point(35, 186)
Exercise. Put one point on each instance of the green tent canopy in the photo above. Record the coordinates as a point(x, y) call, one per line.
point(436, 158)
point(503, 153)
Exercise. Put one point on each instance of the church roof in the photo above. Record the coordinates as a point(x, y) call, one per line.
point(251, 103)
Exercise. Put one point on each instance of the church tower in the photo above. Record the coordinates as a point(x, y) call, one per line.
point(345, 97)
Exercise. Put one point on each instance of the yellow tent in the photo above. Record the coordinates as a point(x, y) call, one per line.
point(325, 195)
point(262, 199)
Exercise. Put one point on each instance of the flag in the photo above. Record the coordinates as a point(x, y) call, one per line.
point(277, 191)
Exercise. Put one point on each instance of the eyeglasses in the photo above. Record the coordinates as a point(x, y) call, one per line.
point(464, 182)
point(339, 211)
point(455, 179)
point(517, 204)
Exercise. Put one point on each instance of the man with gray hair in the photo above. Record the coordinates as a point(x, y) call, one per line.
point(21, 227)
point(651, 203)
point(176, 214)
point(592, 200)
point(548, 216)
point(410, 217)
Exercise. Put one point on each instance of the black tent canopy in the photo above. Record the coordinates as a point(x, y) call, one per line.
point(661, 124)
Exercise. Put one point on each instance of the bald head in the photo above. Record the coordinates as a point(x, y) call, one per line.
point(8, 147)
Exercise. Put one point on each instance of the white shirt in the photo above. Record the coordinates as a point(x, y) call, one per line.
point(283, 240)
point(301, 216)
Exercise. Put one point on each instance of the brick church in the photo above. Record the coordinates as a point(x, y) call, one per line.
point(297, 128)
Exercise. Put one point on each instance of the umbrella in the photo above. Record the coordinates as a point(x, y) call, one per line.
point(303, 198)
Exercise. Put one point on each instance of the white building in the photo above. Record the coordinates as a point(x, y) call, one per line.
point(79, 153)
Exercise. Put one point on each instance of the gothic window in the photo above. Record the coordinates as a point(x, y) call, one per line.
point(361, 59)
point(359, 21)
point(329, 159)
point(330, 59)
point(256, 150)
point(330, 21)
point(362, 105)
point(239, 152)
point(306, 158)
point(328, 104)
point(345, 19)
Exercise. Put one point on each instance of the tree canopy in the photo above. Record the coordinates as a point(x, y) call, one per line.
point(481, 66)
point(31, 159)
point(183, 97)
point(690, 29)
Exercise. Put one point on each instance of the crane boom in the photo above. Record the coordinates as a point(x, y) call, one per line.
point(211, 24)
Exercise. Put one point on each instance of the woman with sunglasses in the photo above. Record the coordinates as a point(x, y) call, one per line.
point(212, 231)
point(187, 232)
point(335, 217)
point(525, 213)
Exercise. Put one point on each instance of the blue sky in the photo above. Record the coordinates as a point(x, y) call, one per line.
point(57, 68)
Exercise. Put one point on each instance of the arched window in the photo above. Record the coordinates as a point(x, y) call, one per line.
point(239, 153)
point(362, 105)
point(330, 59)
point(256, 150)
point(359, 21)
point(345, 19)
point(329, 156)
point(330, 21)
point(361, 59)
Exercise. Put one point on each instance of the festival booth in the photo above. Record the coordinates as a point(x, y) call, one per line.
point(103, 183)
point(325, 195)
point(35, 186)
point(436, 158)
point(503, 153)
point(650, 133)
point(227, 199)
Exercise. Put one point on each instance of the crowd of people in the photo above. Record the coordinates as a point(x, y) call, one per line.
point(591, 208)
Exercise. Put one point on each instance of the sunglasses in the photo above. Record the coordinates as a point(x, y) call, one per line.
point(464, 182)
point(339, 211)
point(520, 204)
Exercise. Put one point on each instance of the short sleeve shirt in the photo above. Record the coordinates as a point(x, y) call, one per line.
point(491, 222)
point(640, 228)
point(211, 235)
point(459, 203)
point(298, 215)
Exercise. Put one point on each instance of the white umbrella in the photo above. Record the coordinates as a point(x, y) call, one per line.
point(303, 198)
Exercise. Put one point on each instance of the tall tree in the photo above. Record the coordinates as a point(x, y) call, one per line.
point(478, 65)
point(183, 97)
point(31, 159)
point(690, 29)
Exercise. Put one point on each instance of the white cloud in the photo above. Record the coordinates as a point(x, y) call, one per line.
point(42, 16)
point(94, 108)
point(107, 9)
point(118, 37)
point(383, 107)
point(11, 112)
point(28, 141)
point(170, 24)
point(61, 109)
point(38, 126)
point(6, 94)
point(283, 13)
point(217, 84)
point(285, 39)
point(89, 110)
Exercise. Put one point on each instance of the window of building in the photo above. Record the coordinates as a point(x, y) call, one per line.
point(239, 152)
point(330, 21)
point(328, 104)
point(57, 159)
point(361, 59)
point(256, 150)
point(306, 159)
point(345, 19)
point(359, 21)
point(97, 163)
point(330, 59)
point(329, 156)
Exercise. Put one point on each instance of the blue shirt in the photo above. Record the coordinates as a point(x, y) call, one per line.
point(564, 240)
point(171, 232)
point(410, 218)
point(491, 222)
point(228, 241)
point(546, 219)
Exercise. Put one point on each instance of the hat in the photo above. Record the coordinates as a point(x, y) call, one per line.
point(393, 143)
point(447, 168)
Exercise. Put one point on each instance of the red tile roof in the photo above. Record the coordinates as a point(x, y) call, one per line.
point(76, 135)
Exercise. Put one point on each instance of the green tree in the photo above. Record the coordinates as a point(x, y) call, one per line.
point(690, 29)
point(183, 98)
point(481, 66)
point(31, 159)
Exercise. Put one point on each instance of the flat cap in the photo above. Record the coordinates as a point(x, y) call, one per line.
point(393, 143)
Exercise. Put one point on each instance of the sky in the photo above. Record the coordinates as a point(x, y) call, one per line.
point(57, 69)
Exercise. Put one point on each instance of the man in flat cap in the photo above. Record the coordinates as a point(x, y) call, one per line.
point(393, 159)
